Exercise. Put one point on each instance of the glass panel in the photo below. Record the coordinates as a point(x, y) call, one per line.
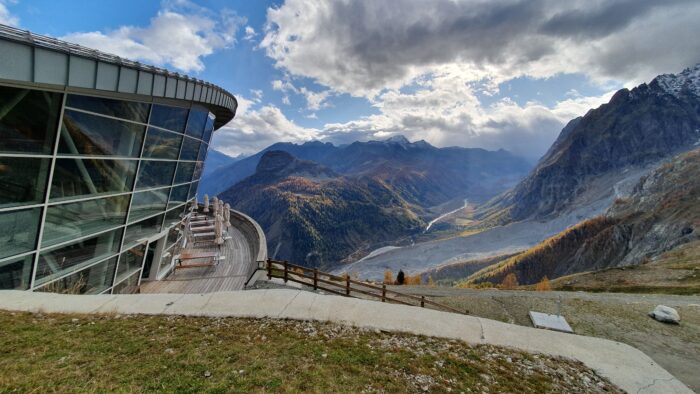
point(18, 231)
point(80, 177)
point(196, 123)
point(130, 261)
point(155, 173)
point(174, 216)
point(28, 120)
point(161, 144)
point(65, 259)
point(190, 149)
point(202, 152)
point(143, 229)
point(198, 170)
point(22, 180)
point(128, 286)
point(148, 262)
point(16, 274)
point(130, 110)
point(171, 118)
point(178, 195)
point(209, 128)
point(69, 221)
point(148, 203)
point(92, 135)
point(184, 172)
point(91, 280)
point(193, 190)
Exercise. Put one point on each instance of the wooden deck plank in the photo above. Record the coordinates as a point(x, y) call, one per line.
point(230, 274)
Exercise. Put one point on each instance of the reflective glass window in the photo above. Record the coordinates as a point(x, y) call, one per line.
point(196, 122)
point(198, 170)
point(74, 220)
point(128, 286)
point(79, 177)
point(190, 149)
point(64, 259)
point(161, 144)
point(208, 128)
point(184, 172)
point(174, 216)
point(28, 120)
point(22, 180)
point(130, 261)
point(18, 231)
point(155, 173)
point(15, 274)
point(178, 195)
point(92, 135)
point(193, 190)
point(143, 229)
point(202, 152)
point(91, 280)
point(148, 203)
point(171, 118)
point(130, 110)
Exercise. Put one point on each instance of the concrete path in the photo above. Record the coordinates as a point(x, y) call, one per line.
point(625, 366)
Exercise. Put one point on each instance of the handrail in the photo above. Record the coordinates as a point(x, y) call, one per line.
point(315, 278)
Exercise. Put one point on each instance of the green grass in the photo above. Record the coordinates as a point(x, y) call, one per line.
point(103, 353)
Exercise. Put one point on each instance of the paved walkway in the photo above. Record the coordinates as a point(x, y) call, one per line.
point(625, 366)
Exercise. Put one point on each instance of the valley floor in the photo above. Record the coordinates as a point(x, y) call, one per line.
point(616, 316)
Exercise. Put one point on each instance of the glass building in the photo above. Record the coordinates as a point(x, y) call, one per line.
point(99, 159)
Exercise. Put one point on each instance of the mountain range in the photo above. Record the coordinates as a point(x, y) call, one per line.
point(320, 204)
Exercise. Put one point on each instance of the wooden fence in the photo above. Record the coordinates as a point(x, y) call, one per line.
point(344, 286)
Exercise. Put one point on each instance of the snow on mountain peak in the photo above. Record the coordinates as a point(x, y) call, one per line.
point(687, 79)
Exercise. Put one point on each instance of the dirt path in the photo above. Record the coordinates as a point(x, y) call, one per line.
point(616, 316)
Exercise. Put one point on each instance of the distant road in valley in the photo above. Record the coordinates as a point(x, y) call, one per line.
point(444, 215)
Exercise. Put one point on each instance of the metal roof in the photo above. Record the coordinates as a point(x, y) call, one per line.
point(30, 58)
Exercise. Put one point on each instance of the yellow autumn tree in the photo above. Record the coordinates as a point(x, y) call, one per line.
point(510, 281)
point(388, 277)
point(543, 285)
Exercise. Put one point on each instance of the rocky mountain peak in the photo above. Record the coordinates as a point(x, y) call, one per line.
point(686, 81)
point(274, 161)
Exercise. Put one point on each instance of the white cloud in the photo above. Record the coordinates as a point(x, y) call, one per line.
point(6, 17)
point(449, 48)
point(257, 95)
point(314, 100)
point(249, 33)
point(180, 35)
point(285, 100)
point(256, 128)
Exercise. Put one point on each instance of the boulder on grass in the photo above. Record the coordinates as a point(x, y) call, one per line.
point(665, 314)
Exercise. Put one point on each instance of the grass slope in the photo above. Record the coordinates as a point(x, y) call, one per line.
point(104, 353)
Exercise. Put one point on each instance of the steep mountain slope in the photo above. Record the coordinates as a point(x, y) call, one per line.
point(421, 173)
point(217, 160)
point(313, 216)
point(662, 213)
point(637, 127)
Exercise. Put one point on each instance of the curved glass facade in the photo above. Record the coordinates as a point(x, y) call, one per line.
point(92, 189)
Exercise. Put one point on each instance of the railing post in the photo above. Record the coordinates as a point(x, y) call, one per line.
point(347, 285)
point(286, 271)
point(315, 278)
point(422, 301)
point(269, 269)
point(383, 293)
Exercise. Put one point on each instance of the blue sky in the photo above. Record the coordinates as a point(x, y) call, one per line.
point(498, 74)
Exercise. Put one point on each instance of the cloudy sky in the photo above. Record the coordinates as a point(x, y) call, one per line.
point(475, 73)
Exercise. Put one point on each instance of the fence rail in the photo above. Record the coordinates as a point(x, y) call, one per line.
point(344, 286)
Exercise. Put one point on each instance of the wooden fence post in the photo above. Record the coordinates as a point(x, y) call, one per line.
point(347, 285)
point(422, 301)
point(315, 278)
point(286, 271)
point(269, 269)
point(383, 293)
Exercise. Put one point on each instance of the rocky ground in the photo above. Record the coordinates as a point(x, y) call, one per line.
point(616, 316)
